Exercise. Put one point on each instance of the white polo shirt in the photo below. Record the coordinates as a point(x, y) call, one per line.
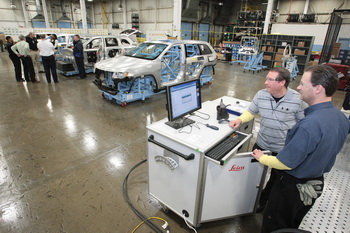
point(46, 48)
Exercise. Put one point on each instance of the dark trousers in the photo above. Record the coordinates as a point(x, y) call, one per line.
point(266, 192)
point(49, 64)
point(28, 68)
point(17, 64)
point(284, 208)
point(80, 63)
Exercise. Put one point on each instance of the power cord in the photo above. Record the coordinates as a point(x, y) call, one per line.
point(189, 226)
point(208, 116)
point(136, 211)
point(165, 226)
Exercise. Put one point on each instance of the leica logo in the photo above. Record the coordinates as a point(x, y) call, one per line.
point(235, 168)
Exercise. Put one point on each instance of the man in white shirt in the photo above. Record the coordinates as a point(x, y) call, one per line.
point(47, 51)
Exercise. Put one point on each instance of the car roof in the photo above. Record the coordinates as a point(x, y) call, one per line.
point(170, 42)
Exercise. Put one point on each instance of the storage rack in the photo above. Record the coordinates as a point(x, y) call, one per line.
point(249, 23)
point(135, 23)
point(273, 46)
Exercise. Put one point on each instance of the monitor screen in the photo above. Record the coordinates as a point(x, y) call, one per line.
point(183, 98)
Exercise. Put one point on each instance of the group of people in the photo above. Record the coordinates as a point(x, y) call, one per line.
point(304, 142)
point(29, 50)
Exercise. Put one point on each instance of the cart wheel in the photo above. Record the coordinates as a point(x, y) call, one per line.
point(243, 71)
point(253, 72)
point(123, 104)
point(103, 96)
point(209, 83)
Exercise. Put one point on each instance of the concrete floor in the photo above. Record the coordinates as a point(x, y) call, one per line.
point(65, 151)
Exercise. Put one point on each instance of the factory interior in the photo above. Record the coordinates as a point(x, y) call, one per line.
point(99, 153)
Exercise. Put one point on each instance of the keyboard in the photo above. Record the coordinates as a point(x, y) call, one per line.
point(223, 147)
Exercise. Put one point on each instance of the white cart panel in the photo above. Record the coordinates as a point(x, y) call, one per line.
point(231, 189)
point(176, 188)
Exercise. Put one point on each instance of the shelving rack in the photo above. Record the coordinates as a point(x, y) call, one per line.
point(135, 23)
point(273, 45)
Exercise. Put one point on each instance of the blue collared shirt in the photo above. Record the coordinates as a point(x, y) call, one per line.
point(313, 143)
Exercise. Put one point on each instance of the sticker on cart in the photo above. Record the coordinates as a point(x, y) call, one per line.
point(129, 97)
point(236, 168)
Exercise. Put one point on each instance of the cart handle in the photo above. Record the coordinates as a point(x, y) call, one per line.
point(186, 157)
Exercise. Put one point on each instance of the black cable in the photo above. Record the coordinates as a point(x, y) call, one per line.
point(208, 116)
point(136, 211)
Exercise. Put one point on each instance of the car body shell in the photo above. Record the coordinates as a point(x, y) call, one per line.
point(164, 69)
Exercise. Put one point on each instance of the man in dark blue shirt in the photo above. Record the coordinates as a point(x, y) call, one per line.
point(15, 59)
point(310, 151)
point(78, 52)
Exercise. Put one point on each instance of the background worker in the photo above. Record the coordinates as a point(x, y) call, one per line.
point(2, 41)
point(280, 109)
point(78, 52)
point(310, 151)
point(47, 51)
point(21, 49)
point(34, 52)
point(15, 59)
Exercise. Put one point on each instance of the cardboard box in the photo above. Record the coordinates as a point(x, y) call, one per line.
point(336, 49)
point(278, 57)
point(313, 63)
point(278, 64)
point(270, 49)
point(266, 57)
point(263, 48)
point(301, 44)
point(299, 52)
point(281, 50)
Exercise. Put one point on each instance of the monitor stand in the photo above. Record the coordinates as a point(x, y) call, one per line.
point(180, 123)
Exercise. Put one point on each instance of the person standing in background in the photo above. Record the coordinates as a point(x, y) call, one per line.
point(46, 50)
point(34, 52)
point(15, 59)
point(2, 41)
point(78, 52)
point(54, 41)
point(21, 49)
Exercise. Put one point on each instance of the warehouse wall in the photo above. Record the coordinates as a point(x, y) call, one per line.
point(154, 14)
point(323, 8)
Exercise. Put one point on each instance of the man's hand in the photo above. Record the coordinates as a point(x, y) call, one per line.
point(257, 154)
point(18, 55)
point(235, 123)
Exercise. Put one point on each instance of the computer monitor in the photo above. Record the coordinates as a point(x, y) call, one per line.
point(182, 99)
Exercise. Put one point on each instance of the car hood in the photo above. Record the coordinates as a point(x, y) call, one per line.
point(125, 64)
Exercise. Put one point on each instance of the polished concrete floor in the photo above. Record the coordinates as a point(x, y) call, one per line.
point(65, 151)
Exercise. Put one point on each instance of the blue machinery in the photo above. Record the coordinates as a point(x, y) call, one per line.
point(131, 89)
point(254, 63)
point(290, 62)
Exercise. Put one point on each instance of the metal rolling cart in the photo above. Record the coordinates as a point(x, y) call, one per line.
point(188, 182)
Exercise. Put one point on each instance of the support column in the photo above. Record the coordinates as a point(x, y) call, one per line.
point(306, 6)
point(124, 14)
point(177, 18)
point(83, 16)
point(25, 14)
point(268, 16)
point(47, 22)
